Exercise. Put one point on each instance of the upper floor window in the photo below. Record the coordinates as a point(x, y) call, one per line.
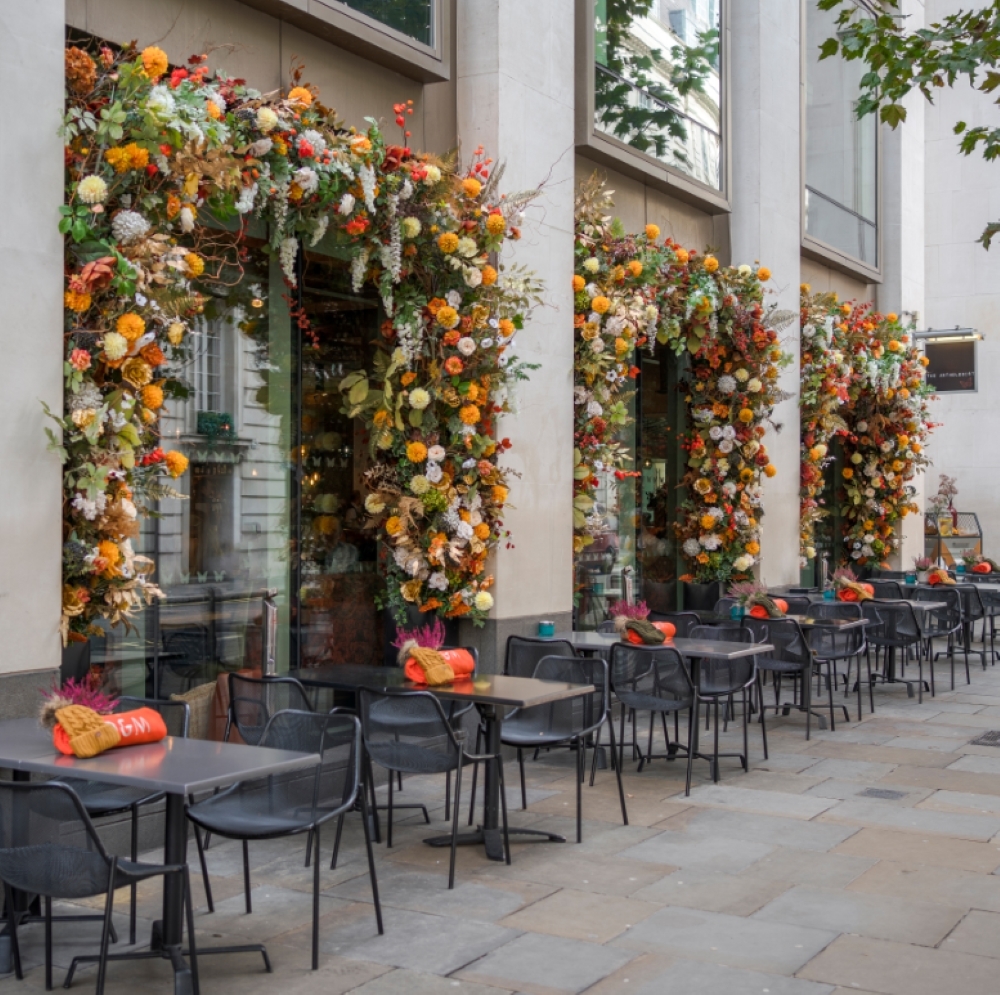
point(413, 18)
point(657, 81)
point(841, 197)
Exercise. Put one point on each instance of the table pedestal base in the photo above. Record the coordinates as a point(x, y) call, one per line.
point(492, 839)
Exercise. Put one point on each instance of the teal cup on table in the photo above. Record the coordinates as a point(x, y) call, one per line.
point(828, 594)
point(546, 628)
point(911, 578)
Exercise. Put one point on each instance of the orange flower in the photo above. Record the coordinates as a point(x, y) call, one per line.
point(154, 61)
point(682, 256)
point(152, 396)
point(489, 276)
point(76, 300)
point(407, 378)
point(469, 414)
point(381, 418)
point(711, 264)
point(453, 366)
point(652, 232)
point(578, 284)
point(770, 470)
point(176, 463)
point(498, 493)
point(847, 473)
point(448, 242)
point(153, 354)
point(506, 327)
point(600, 304)
point(496, 223)
point(447, 317)
point(763, 274)
point(195, 264)
point(300, 95)
point(173, 206)
point(635, 267)
point(746, 416)
point(471, 187)
point(393, 525)
point(482, 531)
point(131, 326)
point(416, 452)
point(753, 548)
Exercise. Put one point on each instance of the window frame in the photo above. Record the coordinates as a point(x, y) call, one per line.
point(616, 154)
point(813, 247)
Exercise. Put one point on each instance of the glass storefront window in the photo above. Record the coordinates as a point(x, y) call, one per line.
point(841, 197)
point(414, 18)
point(657, 83)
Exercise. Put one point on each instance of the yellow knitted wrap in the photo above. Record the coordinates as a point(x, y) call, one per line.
point(87, 732)
point(436, 669)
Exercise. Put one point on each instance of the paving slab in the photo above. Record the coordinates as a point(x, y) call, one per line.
point(978, 934)
point(698, 978)
point(875, 812)
point(768, 829)
point(581, 915)
point(838, 788)
point(725, 939)
point(856, 770)
point(689, 850)
point(884, 917)
point(415, 983)
point(779, 803)
point(974, 764)
point(917, 849)
point(945, 885)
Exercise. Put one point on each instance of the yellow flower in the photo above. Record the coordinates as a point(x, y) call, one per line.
point(600, 304)
point(175, 333)
point(300, 95)
point(448, 242)
point(804, 288)
point(903, 440)
point(131, 326)
point(92, 190)
point(498, 493)
point(635, 267)
point(471, 187)
point(482, 531)
point(764, 274)
point(76, 300)
point(703, 486)
point(469, 414)
point(137, 372)
point(892, 317)
point(416, 452)
point(212, 110)
point(897, 465)
point(746, 475)
point(753, 548)
point(711, 264)
point(489, 276)
point(770, 470)
point(447, 317)
point(578, 284)
point(152, 396)
point(360, 144)
point(154, 61)
point(682, 256)
point(506, 327)
point(706, 522)
point(176, 463)
point(195, 264)
point(746, 416)
point(652, 232)
point(496, 224)
point(393, 525)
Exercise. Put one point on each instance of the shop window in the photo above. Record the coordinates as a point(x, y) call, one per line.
point(841, 181)
point(657, 84)
point(413, 18)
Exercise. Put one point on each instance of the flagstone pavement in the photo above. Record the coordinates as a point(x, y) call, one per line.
point(864, 860)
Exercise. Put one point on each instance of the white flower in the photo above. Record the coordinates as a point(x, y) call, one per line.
point(702, 414)
point(726, 446)
point(454, 298)
point(862, 426)
point(715, 512)
point(594, 410)
point(715, 432)
point(483, 601)
point(472, 276)
point(433, 472)
point(160, 103)
point(307, 178)
point(870, 492)
point(745, 270)
point(411, 227)
point(432, 175)
point(744, 562)
point(726, 384)
point(711, 542)
point(438, 581)
point(722, 466)
point(346, 204)
point(466, 346)
point(129, 226)
point(287, 253)
point(92, 190)
point(464, 530)
point(420, 484)
point(467, 247)
point(436, 453)
point(592, 265)
point(469, 463)
point(187, 219)
point(374, 505)
point(267, 120)
point(728, 432)
point(886, 447)
point(729, 488)
point(751, 448)
point(315, 139)
point(754, 386)
point(692, 547)
point(419, 398)
point(486, 343)
point(245, 201)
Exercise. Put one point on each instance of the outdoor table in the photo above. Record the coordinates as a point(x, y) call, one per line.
point(178, 767)
point(805, 621)
point(491, 694)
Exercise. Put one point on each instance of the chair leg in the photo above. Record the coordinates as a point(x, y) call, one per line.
point(374, 801)
point(454, 825)
point(447, 796)
point(132, 888)
point(315, 922)
point(192, 947)
point(693, 717)
point(579, 790)
point(336, 841)
point(475, 775)
point(763, 722)
point(503, 809)
point(715, 756)
point(618, 772)
point(746, 735)
point(520, 767)
point(621, 740)
point(388, 818)
point(102, 963)
point(48, 943)
point(8, 894)
point(204, 868)
point(246, 876)
point(371, 859)
point(597, 749)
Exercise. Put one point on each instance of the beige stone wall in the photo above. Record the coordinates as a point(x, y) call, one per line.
point(823, 279)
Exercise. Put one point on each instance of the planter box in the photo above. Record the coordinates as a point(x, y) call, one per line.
point(701, 597)
point(414, 618)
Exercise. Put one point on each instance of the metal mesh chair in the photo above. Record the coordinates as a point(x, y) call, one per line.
point(409, 732)
point(253, 700)
point(887, 589)
point(683, 622)
point(797, 604)
point(791, 657)
point(723, 605)
point(607, 626)
point(524, 652)
point(101, 799)
point(717, 679)
point(651, 679)
point(299, 801)
point(973, 611)
point(835, 609)
point(991, 606)
point(569, 721)
point(892, 626)
point(942, 623)
point(831, 645)
point(49, 847)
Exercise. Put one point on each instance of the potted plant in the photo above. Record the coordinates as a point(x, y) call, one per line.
point(922, 564)
point(848, 588)
point(752, 599)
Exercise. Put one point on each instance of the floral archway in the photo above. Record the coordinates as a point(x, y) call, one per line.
point(165, 170)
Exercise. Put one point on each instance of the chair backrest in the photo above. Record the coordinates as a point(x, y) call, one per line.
point(891, 575)
point(576, 716)
point(941, 621)
point(797, 604)
point(785, 634)
point(887, 589)
point(607, 626)
point(175, 714)
point(409, 731)
point(524, 652)
point(726, 632)
point(308, 794)
point(723, 676)
point(48, 845)
point(891, 623)
point(657, 671)
point(683, 622)
point(187, 648)
point(972, 602)
point(835, 609)
point(253, 700)
point(723, 605)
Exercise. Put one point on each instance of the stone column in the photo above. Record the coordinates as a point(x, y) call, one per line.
point(903, 242)
point(31, 176)
point(515, 96)
point(764, 66)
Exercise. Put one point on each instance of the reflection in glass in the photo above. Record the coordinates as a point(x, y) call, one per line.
point(841, 149)
point(657, 82)
point(414, 18)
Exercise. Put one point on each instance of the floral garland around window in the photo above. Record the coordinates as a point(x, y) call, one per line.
point(731, 393)
point(164, 169)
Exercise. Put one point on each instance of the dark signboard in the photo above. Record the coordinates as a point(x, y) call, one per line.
point(952, 366)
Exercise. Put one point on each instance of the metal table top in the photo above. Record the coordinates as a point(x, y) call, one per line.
point(805, 621)
point(176, 766)
point(485, 689)
point(707, 648)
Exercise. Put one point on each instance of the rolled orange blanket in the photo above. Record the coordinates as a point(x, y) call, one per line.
point(667, 628)
point(143, 725)
point(459, 661)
